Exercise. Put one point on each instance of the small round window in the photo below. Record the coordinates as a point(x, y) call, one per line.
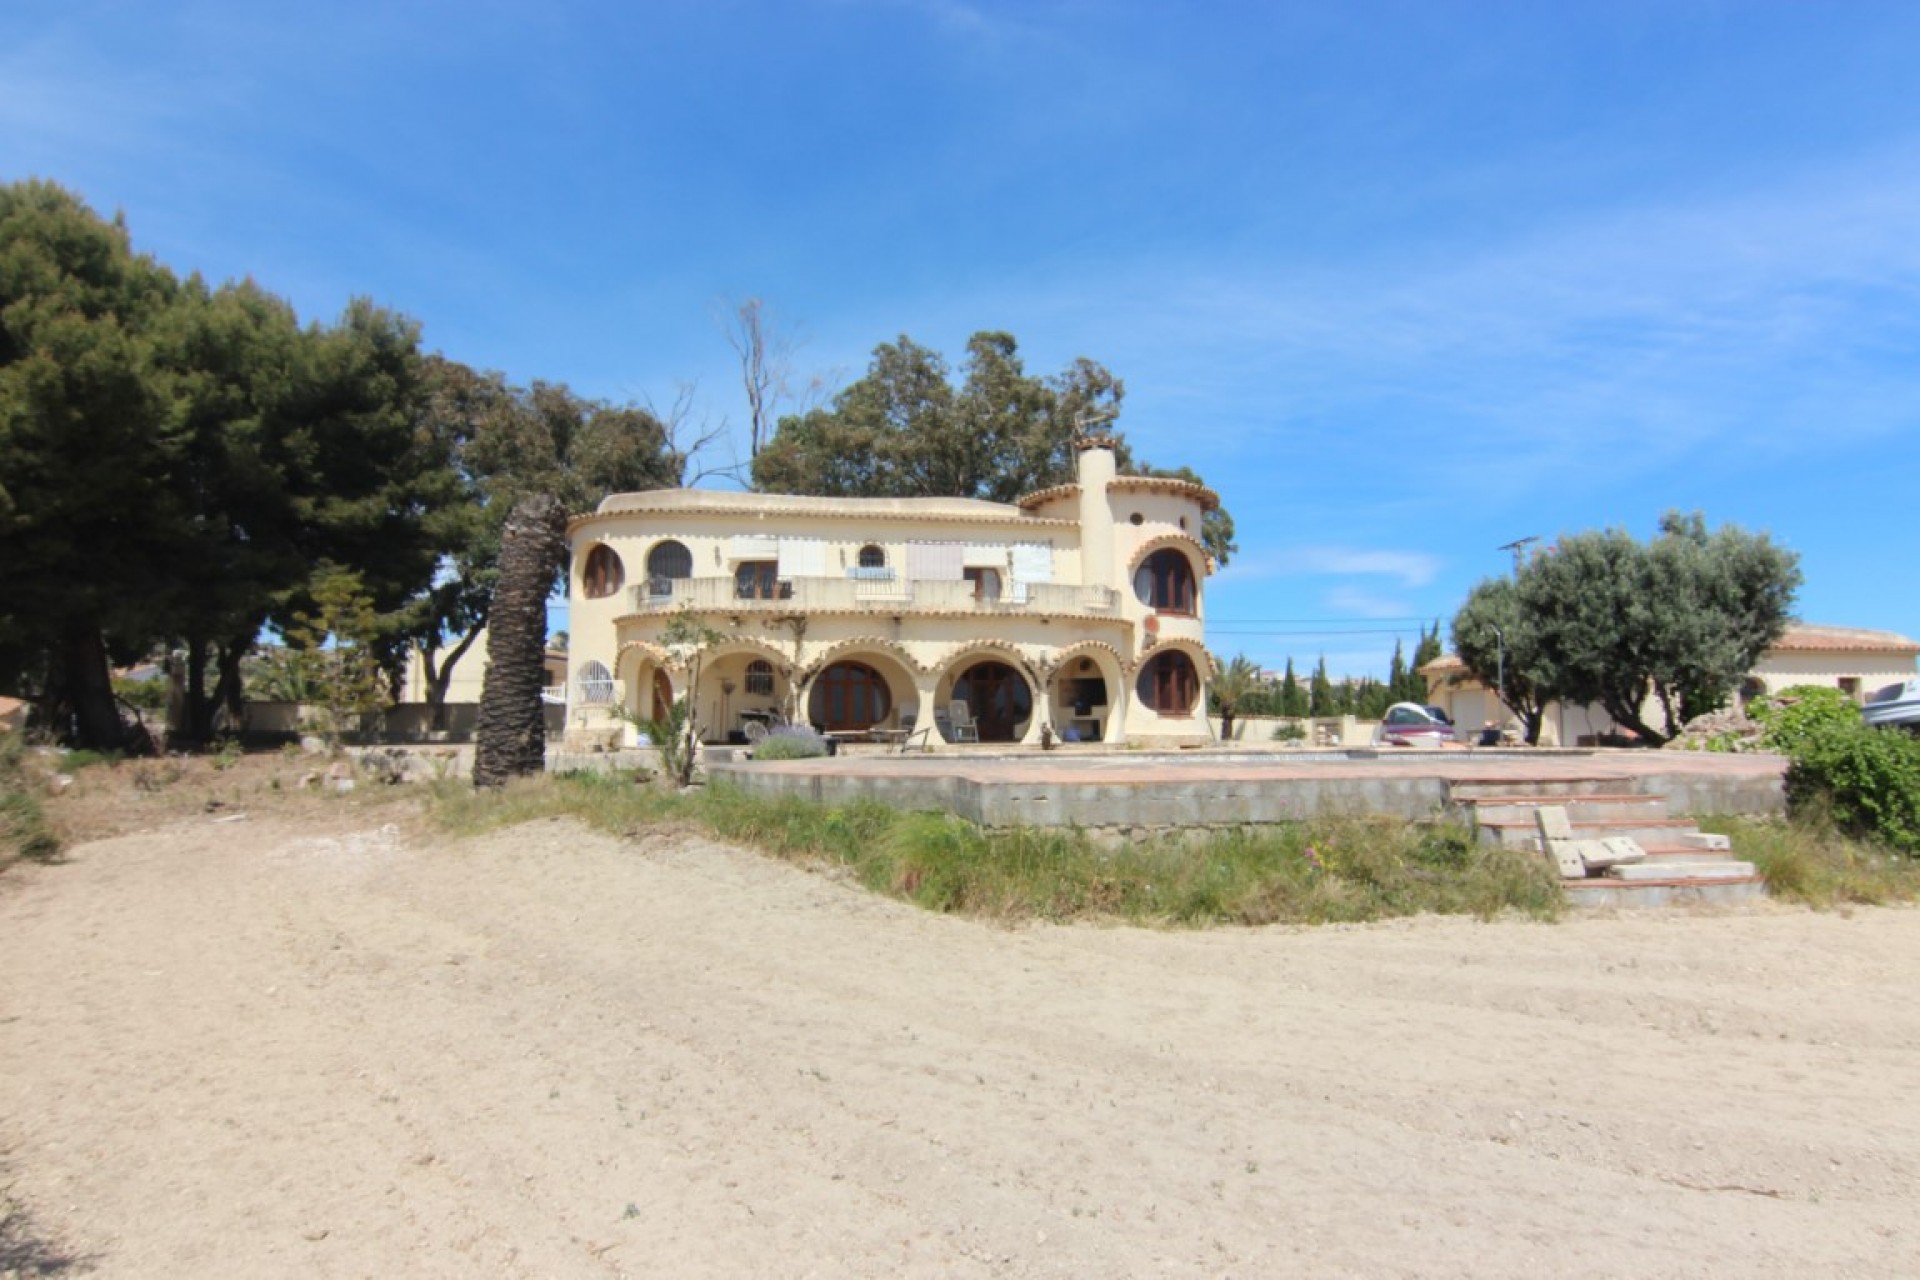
point(872, 557)
point(603, 573)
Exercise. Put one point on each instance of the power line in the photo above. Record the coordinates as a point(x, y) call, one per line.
point(1291, 622)
point(1321, 631)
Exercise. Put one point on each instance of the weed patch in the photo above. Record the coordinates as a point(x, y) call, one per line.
point(1346, 870)
point(24, 831)
point(1810, 860)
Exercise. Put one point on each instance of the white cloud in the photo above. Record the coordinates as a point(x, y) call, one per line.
point(1366, 604)
point(1409, 568)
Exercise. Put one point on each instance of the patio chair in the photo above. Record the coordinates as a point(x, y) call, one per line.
point(960, 720)
point(910, 736)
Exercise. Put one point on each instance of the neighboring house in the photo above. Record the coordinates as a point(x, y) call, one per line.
point(1851, 659)
point(463, 686)
point(1079, 607)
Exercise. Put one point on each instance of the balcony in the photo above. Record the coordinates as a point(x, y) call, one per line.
point(853, 595)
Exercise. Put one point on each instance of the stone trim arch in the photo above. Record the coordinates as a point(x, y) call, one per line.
point(656, 654)
point(781, 659)
point(1005, 649)
point(1185, 541)
point(1096, 649)
point(1202, 660)
point(856, 645)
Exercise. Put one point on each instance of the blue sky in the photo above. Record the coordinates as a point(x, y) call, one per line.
point(1404, 282)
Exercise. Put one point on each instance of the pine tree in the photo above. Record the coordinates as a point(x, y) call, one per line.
point(1320, 696)
point(1293, 699)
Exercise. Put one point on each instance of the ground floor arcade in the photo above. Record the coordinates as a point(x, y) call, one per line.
point(983, 691)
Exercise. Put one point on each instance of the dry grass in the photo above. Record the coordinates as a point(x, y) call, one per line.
point(1808, 860)
point(1345, 870)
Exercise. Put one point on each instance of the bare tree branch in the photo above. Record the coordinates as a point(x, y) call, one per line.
point(691, 433)
point(766, 365)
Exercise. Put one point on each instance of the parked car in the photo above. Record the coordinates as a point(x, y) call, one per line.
point(1897, 705)
point(1408, 724)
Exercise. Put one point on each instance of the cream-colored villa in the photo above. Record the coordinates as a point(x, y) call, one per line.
point(1077, 609)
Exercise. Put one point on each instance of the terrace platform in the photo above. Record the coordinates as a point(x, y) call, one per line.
point(1124, 793)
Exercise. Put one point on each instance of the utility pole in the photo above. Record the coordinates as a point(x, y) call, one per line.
point(1519, 548)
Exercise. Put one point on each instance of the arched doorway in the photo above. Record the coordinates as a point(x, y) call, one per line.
point(848, 696)
point(999, 698)
point(662, 695)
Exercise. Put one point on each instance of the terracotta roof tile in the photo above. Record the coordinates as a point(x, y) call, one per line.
point(1808, 638)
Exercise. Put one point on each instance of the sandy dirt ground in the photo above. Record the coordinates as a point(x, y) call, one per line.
point(315, 1039)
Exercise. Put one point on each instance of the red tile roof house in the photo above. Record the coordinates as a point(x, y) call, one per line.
point(1855, 660)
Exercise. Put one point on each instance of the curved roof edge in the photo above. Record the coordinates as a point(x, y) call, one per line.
point(1207, 498)
point(726, 503)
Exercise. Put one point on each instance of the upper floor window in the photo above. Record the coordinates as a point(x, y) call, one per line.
point(603, 574)
point(666, 562)
point(872, 557)
point(759, 580)
point(1164, 581)
point(986, 583)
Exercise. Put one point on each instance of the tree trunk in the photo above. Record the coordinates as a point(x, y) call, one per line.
point(231, 690)
point(511, 738)
point(439, 676)
point(86, 688)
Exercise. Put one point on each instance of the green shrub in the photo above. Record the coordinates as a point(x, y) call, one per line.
point(791, 742)
point(1863, 781)
point(1291, 731)
point(75, 761)
point(24, 832)
point(1867, 779)
point(147, 695)
point(1794, 717)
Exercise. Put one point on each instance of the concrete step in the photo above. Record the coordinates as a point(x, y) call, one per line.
point(1517, 834)
point(1725, 869)
point(1631, 895)
point(1466, 791)
point(1683, 853)
point(1599, 807)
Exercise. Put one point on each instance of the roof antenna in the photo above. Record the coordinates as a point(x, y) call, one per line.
point(1519, 548)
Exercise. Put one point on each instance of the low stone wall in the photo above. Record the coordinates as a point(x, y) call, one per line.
point(1127, 794)
point(274, 722)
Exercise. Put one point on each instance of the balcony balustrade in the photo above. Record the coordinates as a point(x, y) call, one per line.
point(855, 595)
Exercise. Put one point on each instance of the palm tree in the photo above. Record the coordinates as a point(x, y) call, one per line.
point(511, 735)
point(1232, 683)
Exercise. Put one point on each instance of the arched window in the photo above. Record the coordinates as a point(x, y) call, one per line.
point(1164, 581)
point(849, 695)
point(665, 563)
point(1168, 683)
point(872, 557)
point(595, 684)
point(760, 676)
point(603, 574)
